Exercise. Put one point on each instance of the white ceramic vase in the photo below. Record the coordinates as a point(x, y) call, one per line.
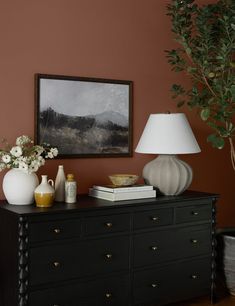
point(44, 193)
point(60, 185)
point(18, 187)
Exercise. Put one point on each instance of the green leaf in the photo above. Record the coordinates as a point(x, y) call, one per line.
point(177, 89)
point(212, 124)
point(188, 51)
point(232, 90)
point(194, 91)
point(222, 131)
point(217, 142)
point(230, 126)
point(205, 114)
point(180, 103)
point(211, 100)
point(192, 69)
point(211, 75)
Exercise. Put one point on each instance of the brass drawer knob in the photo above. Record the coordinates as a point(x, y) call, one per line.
point(194, 276)
point(57, 230)
point(194, 241)
point(195, 213)
point(56, 264)
point(154, 285)
point(154, 248)
point(108, 256)
point(108, 295)
point(109, 224)
point(154, 219)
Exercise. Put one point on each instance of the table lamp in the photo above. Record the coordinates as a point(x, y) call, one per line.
point(168, 135)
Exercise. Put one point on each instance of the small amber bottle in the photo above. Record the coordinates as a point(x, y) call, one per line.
point(70, 189)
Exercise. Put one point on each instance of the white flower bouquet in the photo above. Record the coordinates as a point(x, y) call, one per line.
point(25, 155)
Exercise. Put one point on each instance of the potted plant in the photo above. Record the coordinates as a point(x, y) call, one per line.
point(206, 52)
point(23, 159)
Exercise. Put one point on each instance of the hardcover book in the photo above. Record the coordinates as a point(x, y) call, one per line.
point(116, 189)
point(121, 196)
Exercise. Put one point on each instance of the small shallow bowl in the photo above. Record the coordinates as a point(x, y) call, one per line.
point(123, 179)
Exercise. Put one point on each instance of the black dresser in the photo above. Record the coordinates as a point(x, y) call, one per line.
point(96, 252)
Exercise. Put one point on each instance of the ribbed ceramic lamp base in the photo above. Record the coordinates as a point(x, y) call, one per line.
point(169, 174)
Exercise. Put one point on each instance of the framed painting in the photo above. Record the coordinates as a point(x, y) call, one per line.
point(84, 117)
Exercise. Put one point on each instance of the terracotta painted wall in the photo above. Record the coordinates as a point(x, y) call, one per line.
point(118, 39)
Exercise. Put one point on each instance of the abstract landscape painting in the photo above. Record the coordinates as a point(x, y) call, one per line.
point(84, 117)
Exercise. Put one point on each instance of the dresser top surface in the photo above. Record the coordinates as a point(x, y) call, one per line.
point(86, 202)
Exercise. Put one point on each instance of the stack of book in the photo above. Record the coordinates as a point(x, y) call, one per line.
point(113, 193)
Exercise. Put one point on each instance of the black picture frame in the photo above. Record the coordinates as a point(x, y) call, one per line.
point(84, 117)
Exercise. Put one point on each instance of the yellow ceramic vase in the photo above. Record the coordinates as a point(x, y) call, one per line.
point(44, 194)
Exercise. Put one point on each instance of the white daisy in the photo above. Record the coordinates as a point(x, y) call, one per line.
point(33, 167)
point(22, 140)
point(39, 150)
point(50, 155)
point(6, 158)
point(54, 151)
point(41, 161)
point(22, 159)
point(23, 166)
point(2, 166)
point(16, 151)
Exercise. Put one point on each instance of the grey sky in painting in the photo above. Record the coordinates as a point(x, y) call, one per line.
point(79, 98)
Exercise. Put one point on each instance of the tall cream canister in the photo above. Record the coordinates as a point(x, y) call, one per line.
point(44, 194)
point(70, 189)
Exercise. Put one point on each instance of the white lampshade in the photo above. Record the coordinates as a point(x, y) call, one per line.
point(167, 134)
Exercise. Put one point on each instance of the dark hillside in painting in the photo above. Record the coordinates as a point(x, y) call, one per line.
point(103, 133)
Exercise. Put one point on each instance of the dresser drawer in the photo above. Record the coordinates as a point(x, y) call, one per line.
point(192, 279)
point(193, 213)
point(106, 224)
point(56, 229)
point(170, 283)
point(68, 261)
point(153, 218)
point(152, 285)
point(108, 291)
point(156, 247)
